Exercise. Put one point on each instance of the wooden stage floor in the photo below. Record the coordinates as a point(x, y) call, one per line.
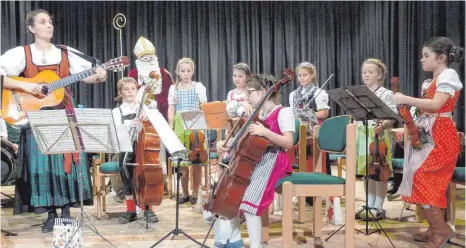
point(135, 235)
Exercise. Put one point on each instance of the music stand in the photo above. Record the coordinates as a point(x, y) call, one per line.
point(216, 117)
point(74, 131)
point(363, 105)
point(192, 120)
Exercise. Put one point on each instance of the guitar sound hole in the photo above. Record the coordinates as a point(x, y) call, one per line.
point(45, 89)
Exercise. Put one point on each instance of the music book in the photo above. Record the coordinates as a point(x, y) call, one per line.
point(193, 119)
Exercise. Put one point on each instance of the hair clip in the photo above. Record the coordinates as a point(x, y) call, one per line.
point(453, 50)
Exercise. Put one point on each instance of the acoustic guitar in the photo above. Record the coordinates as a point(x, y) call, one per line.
point(16, 103)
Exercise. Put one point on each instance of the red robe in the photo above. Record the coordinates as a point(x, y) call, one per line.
point(162, 98)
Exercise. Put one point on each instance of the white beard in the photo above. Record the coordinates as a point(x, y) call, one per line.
point(145, 66)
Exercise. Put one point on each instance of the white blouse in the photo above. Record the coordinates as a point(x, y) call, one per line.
point(286, 120)
point(234, 96)
point(200, 89)
point(448, 81)
point(321, 99)
point(13, 61)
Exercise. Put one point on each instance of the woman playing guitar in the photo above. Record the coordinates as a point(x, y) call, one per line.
point(34, 190)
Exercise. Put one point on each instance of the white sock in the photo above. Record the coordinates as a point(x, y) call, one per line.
point(254, 224)
point(227, 230)
point(371, 193)
point(381, 192)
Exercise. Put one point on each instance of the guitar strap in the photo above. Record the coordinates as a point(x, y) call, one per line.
point(93, 60)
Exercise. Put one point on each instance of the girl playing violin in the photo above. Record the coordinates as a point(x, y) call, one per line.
point(427, 171)
point(307, 89)
point(126, 114)
point(185, 95)
point(373, 73)
point(274, 164)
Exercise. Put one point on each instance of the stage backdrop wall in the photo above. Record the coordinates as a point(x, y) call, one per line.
point(269, 36)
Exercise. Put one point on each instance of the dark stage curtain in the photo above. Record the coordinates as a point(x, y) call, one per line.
point(269, 36)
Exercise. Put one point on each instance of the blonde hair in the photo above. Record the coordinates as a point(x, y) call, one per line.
point(121, 83)
point(243, 67)
point(188, 61)
point(310, 68)
point(381, 67)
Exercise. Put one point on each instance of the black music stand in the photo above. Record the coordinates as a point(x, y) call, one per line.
point(363, 105)
point(192, 120)
point(74, 131)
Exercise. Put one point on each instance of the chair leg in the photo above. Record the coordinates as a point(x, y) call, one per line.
point(170, 179)
point(104, 193)
point(317, 217)
point(287, 215)
point(350, 202)
point(340, 168)
point(451, 205)
point(98, 194)
point(94, 178)
point(265, 227)
point(301, 209)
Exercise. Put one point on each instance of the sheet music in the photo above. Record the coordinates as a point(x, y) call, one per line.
point(52, 131)
point(97, 130)
point(165, 132)
point(194, 120)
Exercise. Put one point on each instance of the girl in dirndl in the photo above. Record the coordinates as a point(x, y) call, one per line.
point(427, 171)
point(274, 164)
point(373, 73)
point(185, 95)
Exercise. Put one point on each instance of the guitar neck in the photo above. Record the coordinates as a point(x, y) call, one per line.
point(71, 79)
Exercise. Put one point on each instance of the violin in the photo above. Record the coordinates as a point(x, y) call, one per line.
point(408, 120)
point(246, 151)
point(198, 154)
point(379, 169)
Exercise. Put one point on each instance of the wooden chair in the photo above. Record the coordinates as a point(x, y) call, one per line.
point(336, 135)
point(102, 170)
point(213, 156)
point(458, 178)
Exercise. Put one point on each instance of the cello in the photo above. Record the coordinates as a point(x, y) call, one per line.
point(413, 130)
point(148, 181)
point(246, 151)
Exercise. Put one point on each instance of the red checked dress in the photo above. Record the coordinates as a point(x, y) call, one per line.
point(427, 171)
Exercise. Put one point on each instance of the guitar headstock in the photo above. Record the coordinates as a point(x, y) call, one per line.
point(395, 84)
point(288, 75)
point(116, 64)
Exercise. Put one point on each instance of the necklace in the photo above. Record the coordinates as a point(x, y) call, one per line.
point(44, 54)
